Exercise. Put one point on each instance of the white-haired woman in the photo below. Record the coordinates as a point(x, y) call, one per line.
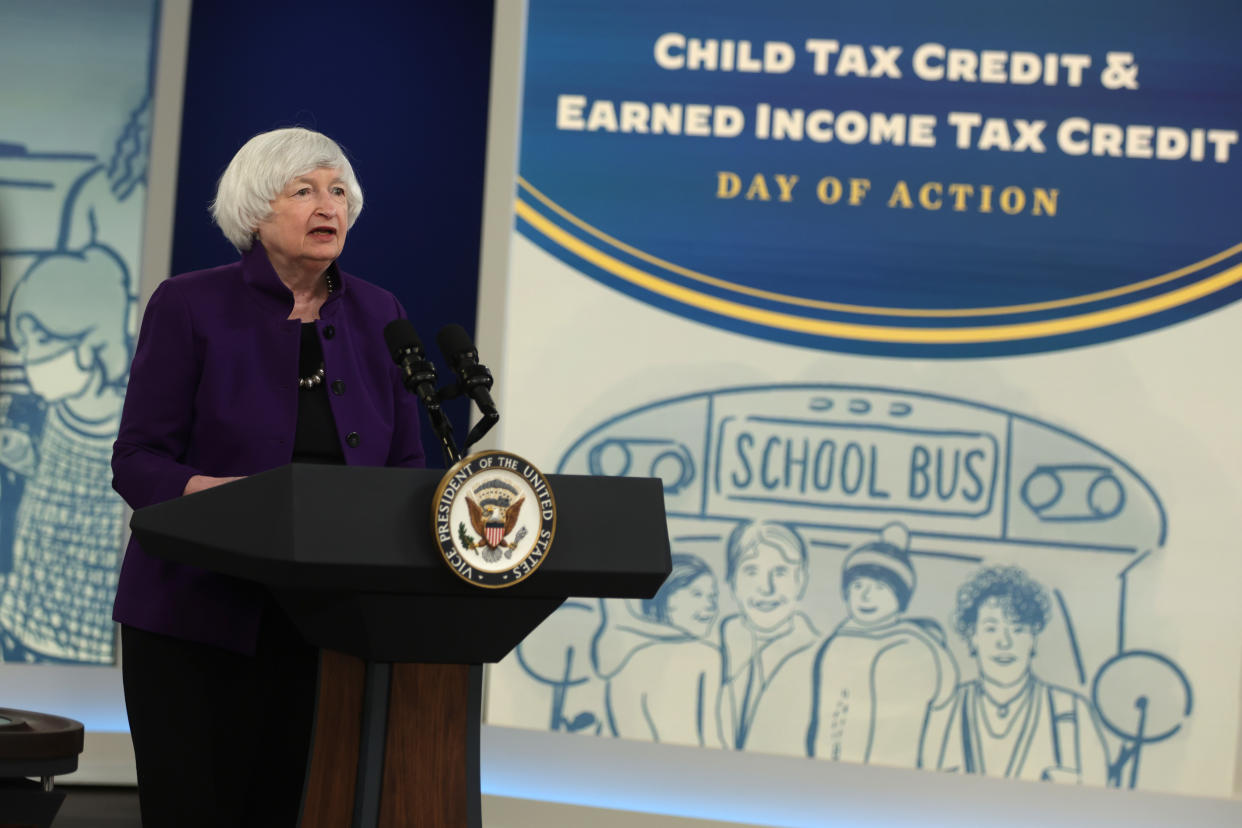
point(274, 358)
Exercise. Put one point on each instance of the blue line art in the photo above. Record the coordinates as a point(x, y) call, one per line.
point(860, 406)
point(1010, 722)
point(864, 508)
point(1127, 551)
point(946, 472)
point(562, 674)
point(676, 702)
point(1084, 547)
point(70, 257)
point(1094, 493)
point(809, 394)
point(769, 644)
point(32, 185)
point(1139, 671)
point(1008, 480)
point(952, 556)
point(880, 674)
point(668, 460)
point(9, 149)
point(855, 628)
point(1123, 577)
point(1133, 564)
point(1073, 639)
point(707, 452)
point(828, 544)
point(1143, 697)
point(716, 464)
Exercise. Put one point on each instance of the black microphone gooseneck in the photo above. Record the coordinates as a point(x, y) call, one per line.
point(419, 377)
point(473, 379)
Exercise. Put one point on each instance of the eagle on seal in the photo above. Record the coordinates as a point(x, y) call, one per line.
point(493, 517)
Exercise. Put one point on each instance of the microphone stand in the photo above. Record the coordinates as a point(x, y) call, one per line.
point(474, 375)
point(473, 378)
point(419, 376)
point(444, 430)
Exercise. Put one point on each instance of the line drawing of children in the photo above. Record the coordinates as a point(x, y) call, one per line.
point(767, 647)
point(75, 355)
point(662, 674)
point(878, 675)
point(1009, 722)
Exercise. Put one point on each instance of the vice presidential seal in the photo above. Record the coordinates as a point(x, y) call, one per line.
point(494, 517)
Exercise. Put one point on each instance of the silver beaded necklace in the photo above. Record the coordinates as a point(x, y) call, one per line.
point(313, 380)
point(306, 383)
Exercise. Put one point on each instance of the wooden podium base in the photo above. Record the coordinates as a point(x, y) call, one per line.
point(395, 745)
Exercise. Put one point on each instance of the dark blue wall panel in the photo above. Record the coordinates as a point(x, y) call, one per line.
point(402, 87)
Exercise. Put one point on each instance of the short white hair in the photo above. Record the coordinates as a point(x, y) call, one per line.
point(261, 170)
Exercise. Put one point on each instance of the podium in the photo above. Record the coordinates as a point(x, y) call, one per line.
point(348, 553)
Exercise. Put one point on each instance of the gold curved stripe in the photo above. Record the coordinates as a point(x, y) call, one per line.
point(876, 333)
point(870, 309)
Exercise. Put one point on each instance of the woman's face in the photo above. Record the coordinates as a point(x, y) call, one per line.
point(308, 222)
point(1003, 647)
point(767, 584)
point(693, 607)
point(871, 601)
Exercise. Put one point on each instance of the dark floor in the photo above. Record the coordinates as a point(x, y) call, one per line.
point(98, 807)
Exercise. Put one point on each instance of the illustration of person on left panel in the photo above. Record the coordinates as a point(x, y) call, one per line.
point(68, 528)
point(74, 170)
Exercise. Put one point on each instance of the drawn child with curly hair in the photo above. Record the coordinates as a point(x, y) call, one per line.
point(1009, 722)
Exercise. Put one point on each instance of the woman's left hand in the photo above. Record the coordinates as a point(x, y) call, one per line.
point(200, 482)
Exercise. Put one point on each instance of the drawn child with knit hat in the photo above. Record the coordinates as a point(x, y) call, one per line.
point(879, 674)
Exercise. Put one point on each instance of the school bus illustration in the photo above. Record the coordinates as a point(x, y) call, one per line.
point(988, 531)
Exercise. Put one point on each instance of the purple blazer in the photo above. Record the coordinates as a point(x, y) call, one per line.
point(214, 390)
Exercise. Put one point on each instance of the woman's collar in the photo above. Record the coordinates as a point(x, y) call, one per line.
point(258, 273)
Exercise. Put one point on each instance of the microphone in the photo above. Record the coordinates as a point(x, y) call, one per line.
point(473, 378)
point(418, 375)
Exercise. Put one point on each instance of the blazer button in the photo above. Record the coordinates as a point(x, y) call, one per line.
point(353, 439)
point(338, 387)
point(329, 332)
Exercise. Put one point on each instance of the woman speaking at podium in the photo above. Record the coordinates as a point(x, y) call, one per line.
point(275, 358)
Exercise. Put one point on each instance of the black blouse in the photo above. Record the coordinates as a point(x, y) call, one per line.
point(315, 440)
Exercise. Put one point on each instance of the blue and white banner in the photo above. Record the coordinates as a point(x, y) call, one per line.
point(1033, 178)
point(74, 146)
point(925, 318)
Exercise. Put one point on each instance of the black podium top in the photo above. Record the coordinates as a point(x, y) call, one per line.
point(349, 552)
